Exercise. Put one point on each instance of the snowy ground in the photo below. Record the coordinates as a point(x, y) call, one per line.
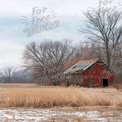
point(43, 115)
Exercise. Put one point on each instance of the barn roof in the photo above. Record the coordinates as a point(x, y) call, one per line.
point(81, 65)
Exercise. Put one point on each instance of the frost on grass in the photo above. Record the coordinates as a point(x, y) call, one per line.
point(40, 115)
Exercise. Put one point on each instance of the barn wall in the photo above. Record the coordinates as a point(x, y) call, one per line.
point(75, 79)
point(96, 74)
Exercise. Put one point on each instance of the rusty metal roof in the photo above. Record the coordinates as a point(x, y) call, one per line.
point(81, 65)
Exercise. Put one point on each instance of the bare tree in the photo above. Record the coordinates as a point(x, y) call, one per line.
point(47, 60)
point(88, 50)
point(7, 75)
point(104, 27)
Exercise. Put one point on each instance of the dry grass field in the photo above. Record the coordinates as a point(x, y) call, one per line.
point(30, 95)
point(34, 103)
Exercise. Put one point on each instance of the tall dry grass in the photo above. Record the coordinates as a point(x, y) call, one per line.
point(51, 97)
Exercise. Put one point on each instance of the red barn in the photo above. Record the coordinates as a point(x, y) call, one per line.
point(89, 73)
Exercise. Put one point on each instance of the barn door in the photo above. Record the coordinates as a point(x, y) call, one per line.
point(105, 82)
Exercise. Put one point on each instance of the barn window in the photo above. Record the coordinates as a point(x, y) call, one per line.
point(91, 82)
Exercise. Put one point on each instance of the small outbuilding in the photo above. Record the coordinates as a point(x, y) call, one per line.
point(89, 73)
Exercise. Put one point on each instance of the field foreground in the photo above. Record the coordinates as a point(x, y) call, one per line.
point(43, 97)
point(32, 103)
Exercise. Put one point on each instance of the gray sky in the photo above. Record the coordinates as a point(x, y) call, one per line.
point(12, 37)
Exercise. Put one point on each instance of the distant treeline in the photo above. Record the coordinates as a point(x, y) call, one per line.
point(11, 75)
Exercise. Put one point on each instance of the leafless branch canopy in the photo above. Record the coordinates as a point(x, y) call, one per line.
point(47, 59)
point(103, 26)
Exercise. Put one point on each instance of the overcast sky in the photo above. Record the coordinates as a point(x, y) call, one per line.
point(12, 37)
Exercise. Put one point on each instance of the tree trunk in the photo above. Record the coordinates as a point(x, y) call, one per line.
point(108, 55)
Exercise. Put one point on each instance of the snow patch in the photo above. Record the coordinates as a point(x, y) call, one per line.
point(36, 115)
